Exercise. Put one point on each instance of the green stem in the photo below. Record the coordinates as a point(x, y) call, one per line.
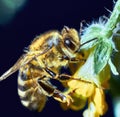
point(112, 21)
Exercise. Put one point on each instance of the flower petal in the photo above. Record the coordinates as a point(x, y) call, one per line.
point(99, 101)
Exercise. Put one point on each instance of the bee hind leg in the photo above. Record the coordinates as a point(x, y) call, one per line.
point(51, 91)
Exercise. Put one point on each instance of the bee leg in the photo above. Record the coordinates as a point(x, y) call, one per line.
point(61, 77)
point(72, 59)
point(64, 98)
point(56, 94)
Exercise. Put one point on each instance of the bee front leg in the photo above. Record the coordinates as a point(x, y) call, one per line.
point(50, 90)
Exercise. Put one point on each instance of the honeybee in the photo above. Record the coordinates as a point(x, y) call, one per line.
point(41, 62)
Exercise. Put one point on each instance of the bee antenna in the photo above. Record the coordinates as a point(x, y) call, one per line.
point(66, 28)
point(88, 42)
point(81, 26)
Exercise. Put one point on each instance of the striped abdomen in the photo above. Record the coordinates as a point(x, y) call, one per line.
point(31, 97)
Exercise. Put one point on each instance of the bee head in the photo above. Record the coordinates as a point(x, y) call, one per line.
point(71, 41)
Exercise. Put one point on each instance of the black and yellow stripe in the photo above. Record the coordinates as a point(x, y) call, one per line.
point(31, 97)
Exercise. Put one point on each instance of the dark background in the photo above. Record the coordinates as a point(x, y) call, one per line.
point(35, 18)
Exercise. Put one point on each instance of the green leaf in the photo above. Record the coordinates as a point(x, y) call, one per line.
point(101, 56)
point(113, 68)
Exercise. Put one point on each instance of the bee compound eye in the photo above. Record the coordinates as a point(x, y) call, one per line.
point(68, 43)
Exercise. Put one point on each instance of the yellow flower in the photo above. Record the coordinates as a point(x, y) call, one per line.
point(97, 104)
point(88, 87)
point(81, 92)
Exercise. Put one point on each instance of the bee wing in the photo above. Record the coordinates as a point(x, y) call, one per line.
point(22, 61)
point(13, 69)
